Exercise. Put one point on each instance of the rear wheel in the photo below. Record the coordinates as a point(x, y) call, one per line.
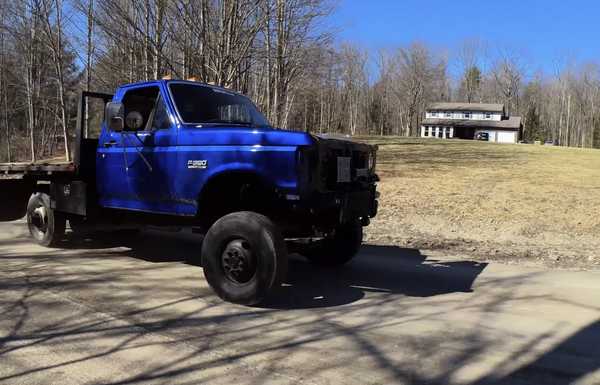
point(244, 257)
point(337, 249)
point(46, 225)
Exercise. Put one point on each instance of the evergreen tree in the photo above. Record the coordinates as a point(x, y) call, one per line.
point(470, 85)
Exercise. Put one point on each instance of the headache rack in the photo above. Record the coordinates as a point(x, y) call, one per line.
point(84, 152)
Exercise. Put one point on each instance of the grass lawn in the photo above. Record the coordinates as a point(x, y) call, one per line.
point(490, 200)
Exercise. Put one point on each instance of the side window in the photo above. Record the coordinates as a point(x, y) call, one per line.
point(140, 100)
point(161, 119)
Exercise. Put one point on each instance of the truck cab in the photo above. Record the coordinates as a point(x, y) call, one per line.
point(183, 153)
point(177, 137)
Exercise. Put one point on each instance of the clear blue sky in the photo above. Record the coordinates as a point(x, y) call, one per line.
point(548, 33)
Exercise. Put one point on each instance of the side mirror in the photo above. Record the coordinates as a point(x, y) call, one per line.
point(115, 119)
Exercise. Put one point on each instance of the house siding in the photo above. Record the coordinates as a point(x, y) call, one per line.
point(461, 115)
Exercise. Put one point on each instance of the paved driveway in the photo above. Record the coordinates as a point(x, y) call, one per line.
point(140, 312)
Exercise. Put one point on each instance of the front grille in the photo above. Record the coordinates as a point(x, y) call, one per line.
point(343, 166)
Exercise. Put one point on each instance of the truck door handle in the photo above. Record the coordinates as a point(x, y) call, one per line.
point(110, 144)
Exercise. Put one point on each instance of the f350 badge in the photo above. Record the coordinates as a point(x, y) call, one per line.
point(197, 164)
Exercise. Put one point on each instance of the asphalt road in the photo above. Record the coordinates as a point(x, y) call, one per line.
point(140, 312)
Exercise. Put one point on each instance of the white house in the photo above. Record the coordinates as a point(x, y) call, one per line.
point(466, 120)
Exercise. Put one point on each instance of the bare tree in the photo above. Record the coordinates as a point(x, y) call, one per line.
point(277, 53)
point(470, 61)
point(420, 79)
point(3, 79)
point(54, 39)
point(507, 77)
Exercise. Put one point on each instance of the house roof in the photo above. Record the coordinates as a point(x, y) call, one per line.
point(483, 107)
point(513, 123)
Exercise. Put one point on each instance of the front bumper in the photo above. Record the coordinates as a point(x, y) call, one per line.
point(326, 209)
point(348, 205)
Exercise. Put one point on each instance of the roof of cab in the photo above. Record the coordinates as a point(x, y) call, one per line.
point(167, 81)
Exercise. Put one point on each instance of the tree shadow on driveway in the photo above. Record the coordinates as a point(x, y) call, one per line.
point(372, 314)
point(569, 361)
point(377, 269)
point(150, 246)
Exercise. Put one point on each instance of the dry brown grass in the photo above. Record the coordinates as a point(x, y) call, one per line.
point(489, 200)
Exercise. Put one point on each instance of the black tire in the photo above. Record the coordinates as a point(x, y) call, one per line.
point(244, 258)
point(336, 250)
point(46, 226)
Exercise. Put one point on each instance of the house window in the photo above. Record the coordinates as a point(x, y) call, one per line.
point(448, 114)
point(426, 132)
point(488, 115)
point(434, 114)
point(467, 115)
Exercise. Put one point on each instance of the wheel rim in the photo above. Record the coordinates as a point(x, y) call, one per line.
point(39, 221)
point(238, 261)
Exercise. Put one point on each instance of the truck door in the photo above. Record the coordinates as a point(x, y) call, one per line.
point(152, 171)
point(136, 161)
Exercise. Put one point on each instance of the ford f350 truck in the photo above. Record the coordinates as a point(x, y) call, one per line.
point(181, 153)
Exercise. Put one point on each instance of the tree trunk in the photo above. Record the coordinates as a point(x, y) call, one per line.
point(88, 64)
point(30, 83)
point(3, 92)
point(56, 46)
point(158, 18)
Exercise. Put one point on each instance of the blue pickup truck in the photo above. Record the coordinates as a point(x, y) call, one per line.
point(187, 154)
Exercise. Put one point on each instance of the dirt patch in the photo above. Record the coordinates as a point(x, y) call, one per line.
point(489, 201)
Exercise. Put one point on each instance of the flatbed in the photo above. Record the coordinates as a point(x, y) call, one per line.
point(18, 170)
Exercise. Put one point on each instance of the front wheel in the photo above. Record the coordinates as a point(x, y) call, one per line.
point(337, 249)
point(46, 226)
point(244, 257)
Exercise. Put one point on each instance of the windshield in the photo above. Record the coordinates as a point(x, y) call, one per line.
point(198, 104)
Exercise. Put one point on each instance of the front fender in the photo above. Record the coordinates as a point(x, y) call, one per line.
point(273, 166)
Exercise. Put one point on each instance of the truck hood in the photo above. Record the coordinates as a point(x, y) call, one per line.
point(242, 136)
point(245, 136)
point(343, 142)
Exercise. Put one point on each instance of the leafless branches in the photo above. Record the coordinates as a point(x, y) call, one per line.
point(276, 51)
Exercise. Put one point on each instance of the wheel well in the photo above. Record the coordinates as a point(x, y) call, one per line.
point(234, 191)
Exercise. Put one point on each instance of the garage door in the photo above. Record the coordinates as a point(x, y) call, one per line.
point(506, 137)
